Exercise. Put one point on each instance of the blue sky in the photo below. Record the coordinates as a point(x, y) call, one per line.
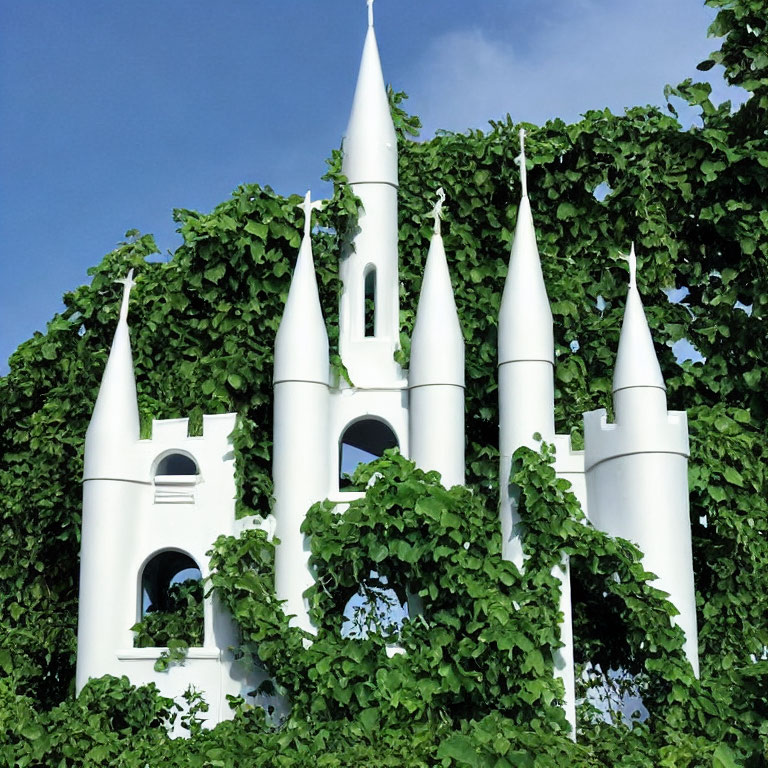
point(114, 113)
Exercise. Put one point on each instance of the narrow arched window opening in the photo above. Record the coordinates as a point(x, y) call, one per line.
point(362, 442)
point(170, 602)
point(369, 309)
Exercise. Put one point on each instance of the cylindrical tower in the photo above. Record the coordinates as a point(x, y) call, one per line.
point(526, 364)
point(436, 375)
point(111, 488)
point(300, 460)
point(527, 404)
point(637, 468)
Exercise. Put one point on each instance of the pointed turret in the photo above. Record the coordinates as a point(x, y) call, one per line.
point(436, 375)
point(300, 457)
point(526, 363)
point(526, 341)
point(437, 344)
point(113, 480)
point(525, 318)
point(369, 314)
point(527, 402)
point(637, 467)
point(115, 418)
point(370, 143)
point(637, 367)
point(301, 343)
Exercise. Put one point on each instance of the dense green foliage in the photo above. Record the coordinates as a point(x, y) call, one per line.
point(475, 687)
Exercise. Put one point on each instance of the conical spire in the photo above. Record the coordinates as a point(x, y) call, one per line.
point(301, 344)
point(437, 345)
point(115, 418)
point(370, 144)
point(636, 361)
point(525, 318)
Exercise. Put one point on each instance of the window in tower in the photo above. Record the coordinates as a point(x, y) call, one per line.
point(175, 478)
point(170, 604)
point(362, 442)
point(369, 309)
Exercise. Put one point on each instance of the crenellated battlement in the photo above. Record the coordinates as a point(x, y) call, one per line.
point(604, 440)
point(216, 428)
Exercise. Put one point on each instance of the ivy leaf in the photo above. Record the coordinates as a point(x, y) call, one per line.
point(733, 477)
point(379, 553)
point(460, 748)
point(723, 757)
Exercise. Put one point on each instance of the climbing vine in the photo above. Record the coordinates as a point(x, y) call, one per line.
point(474, 686)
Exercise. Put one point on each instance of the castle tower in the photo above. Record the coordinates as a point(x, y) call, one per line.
point(106, 533)
point(151, 509)
point(527, 405)
point(369, 315)
point(526, 362)
point(301, 459)
point(371, 414)
point(637, 467)
point(436, 374)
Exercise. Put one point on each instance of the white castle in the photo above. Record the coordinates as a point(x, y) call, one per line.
point(152, 507)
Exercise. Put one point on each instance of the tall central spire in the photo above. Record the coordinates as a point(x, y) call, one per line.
point(370, 144)
point(369, 318)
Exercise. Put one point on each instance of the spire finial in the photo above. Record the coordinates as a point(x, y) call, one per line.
point(370, 12)
point(437, 211)
point(632, 259)
point(520, 160)
point(308, 206)
point(128, 283)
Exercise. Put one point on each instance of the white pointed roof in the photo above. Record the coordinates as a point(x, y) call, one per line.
point(370, 143)
point(525, 318)
point(115, 418)
point(437, 344)
point(636, 361)
point(301, 344)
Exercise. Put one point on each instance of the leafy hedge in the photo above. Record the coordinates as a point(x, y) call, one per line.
point(475, 688)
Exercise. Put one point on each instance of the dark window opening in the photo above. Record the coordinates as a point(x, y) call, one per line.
point(362, 442)
point(370, 302)
point(171, 602)
point(177, 464)
point(607, 671)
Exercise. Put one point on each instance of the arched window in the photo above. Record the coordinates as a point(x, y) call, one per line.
point(369, 309)
point(362, 442)
point(170, 602)
point(177, 464)
point(175, 478)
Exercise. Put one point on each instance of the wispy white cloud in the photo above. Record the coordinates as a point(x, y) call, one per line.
point(598, 53)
